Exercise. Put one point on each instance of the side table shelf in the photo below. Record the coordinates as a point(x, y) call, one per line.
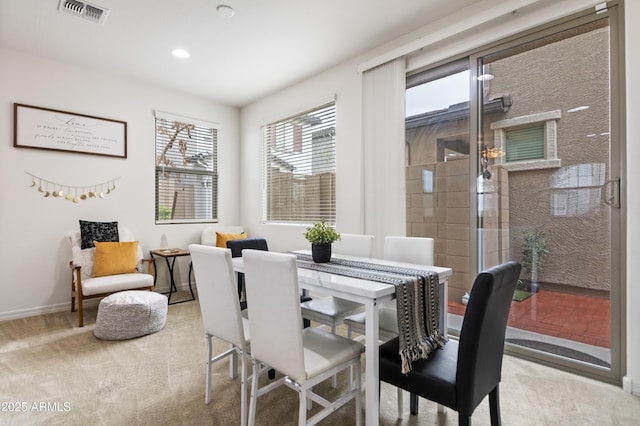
point(170, 256)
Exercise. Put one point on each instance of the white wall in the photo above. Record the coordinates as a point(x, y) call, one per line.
point(345, 82)
point(34, 255)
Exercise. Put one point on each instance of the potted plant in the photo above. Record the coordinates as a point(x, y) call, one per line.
point(321, 236)
point(534, 250)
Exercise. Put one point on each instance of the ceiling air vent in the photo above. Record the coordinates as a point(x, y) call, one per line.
point(85, 10)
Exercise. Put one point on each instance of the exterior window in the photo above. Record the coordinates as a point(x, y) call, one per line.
point(186, 170)
point(299, 166)
point(525, 144)
point(530, 142)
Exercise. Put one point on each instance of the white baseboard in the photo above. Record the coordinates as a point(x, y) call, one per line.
point(66, 306)
point(32, 312)
point(629, 386)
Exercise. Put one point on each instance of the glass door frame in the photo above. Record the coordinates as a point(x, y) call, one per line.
point(617, 158)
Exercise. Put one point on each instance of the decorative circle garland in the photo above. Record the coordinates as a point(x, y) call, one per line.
point(73, 193)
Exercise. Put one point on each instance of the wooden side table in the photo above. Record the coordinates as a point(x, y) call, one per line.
point(170, 256)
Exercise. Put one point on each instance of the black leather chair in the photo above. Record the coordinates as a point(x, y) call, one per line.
point(460, 375)
point(236, 247)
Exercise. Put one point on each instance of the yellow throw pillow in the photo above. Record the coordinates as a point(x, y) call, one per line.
point(221, 239)
point(113, 258)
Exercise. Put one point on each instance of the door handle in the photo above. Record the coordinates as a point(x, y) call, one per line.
point(611, 197)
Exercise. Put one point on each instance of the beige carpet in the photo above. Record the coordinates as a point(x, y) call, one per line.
point(59, 374)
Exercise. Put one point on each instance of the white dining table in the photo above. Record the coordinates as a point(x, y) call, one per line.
point(370, 294)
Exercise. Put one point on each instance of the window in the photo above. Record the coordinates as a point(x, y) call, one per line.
point(299, 166)
point(530, 142)
point(186, 170)
point(525, 144)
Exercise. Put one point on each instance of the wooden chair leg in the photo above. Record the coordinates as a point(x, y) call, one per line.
point(80, 313)
point(494, 407)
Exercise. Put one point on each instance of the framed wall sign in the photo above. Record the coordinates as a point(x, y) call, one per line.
point(44, 128)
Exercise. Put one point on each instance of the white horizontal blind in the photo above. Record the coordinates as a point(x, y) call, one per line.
point(525, 144)
point(186, 161)
point(300, 167)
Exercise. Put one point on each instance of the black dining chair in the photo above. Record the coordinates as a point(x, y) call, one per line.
point(236, 247)
point(462, 373)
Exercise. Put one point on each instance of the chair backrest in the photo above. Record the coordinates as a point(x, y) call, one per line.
point(84, 257)
point(354, 245)
point(416, 250)
point(236, 246)
point(275, 322)
point(481, 344)
point(216, 286)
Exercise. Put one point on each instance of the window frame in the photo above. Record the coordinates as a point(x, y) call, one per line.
point(295, 148)
point(208, 175)
point(550, 121)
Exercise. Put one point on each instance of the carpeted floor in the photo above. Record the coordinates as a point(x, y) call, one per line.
point(54, 373)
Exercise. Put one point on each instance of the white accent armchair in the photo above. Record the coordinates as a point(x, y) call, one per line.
point(84, 285)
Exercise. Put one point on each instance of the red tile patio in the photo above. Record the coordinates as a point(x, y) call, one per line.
point(578, 318)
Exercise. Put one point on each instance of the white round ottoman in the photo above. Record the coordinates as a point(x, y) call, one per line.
point(129, 314)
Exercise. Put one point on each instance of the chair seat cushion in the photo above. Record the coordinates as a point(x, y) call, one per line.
point(323, 350)
point(129, 314)
point(111, 283)
point(329, 310)
point(433, 378)
point(387, 321)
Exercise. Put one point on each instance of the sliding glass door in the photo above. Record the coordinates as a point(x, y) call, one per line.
point(538, 183)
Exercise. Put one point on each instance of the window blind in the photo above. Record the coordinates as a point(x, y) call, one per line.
point(186, 178)
point(525, 144)
point(299, 166)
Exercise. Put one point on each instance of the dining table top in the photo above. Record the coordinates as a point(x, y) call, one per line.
point(360, 286)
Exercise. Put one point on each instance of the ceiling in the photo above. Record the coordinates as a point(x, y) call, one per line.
point(266, 46)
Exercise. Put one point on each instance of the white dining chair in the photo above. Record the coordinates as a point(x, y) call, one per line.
point(417, 250)
point(332, 311)
point(306, 356)
point(221, 315)
point(358, 245)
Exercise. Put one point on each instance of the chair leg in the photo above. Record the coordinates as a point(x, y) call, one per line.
point(464, 420)
point(254, 392)
point(302, 413)
point(80, 313)
point(233, 364)
point(413, 404)
point(243, 389)
point(334, 380)
point(358, 368)
point(400, 403)
point(494, 407)
point(207, 389)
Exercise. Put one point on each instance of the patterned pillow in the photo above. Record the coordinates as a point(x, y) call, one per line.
point(98, 231)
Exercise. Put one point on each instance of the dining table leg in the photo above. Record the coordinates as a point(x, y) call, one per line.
point(372, 361)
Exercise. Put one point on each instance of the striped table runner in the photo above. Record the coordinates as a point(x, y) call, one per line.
point(417, 299)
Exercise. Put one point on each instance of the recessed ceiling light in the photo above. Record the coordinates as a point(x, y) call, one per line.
point(225, 11)
point(579, 108)
point(180, 53)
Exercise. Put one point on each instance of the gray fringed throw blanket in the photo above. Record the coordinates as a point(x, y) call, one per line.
point(417, 298)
